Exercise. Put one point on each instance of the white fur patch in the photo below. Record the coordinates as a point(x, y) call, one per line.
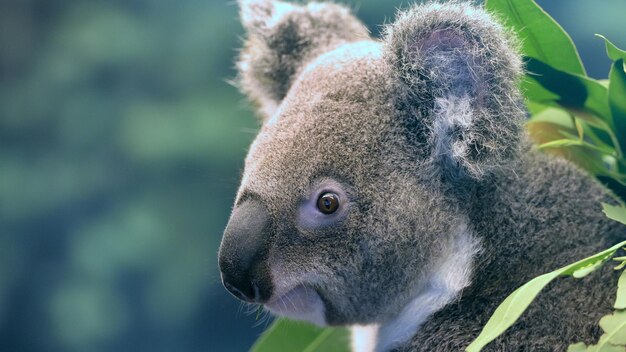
point(450, 113)
point(450, 275)
point(364, 337)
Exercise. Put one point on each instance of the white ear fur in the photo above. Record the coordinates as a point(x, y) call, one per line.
point(459, 70)
point(259, 15)
point(453, 116)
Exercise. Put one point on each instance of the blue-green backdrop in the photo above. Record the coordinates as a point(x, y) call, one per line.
point(121, 146)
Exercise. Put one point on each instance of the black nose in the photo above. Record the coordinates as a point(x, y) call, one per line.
point(242, 257)
point(250, 295)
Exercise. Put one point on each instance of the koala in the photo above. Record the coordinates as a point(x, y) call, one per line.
point(392, 187)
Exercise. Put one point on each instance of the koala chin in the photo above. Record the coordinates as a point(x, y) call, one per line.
point(392, 187)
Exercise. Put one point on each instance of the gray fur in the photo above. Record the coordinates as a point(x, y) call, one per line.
point(453, 52)
point(282, 38)
point(423, 131)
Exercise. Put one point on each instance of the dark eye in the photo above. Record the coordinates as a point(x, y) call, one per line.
point(328, 203)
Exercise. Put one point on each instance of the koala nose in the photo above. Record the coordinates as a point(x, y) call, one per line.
point(243, 252)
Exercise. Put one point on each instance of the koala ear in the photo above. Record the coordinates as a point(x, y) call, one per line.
point(457, 72)
point(282, 38)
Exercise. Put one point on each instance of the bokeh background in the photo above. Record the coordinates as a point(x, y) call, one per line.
point(121, 146)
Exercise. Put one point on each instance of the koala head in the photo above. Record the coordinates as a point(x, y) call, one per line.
point(355, 190)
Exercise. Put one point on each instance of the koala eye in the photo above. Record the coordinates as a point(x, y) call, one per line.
point(328, 203)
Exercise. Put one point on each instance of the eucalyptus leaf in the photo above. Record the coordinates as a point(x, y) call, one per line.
point(542, 37)
point(555, 124)
point(560, 143)
point(517, 302)
point(565, 125)
point(620, 266)
point(287, 335)
point(617, 213)
point(584, 96)
point(604, 346)
point(582, 272)
point(617, 100)
point(615, 184)
point(578, 347)
point(614, 326)
point(538, 98)
point(534, 107)
point(570, 142)
point(620, 299)
point(556, 116)
point(510, 310)
point(614, 53)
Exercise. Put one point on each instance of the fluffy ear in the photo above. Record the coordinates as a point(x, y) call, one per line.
point(458, 73)
point(282, 38)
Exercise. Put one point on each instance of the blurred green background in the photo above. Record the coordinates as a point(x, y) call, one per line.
point(121, 146)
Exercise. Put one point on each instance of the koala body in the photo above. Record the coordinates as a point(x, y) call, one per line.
point(392, 187)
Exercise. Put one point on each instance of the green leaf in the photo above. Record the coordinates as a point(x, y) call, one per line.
point(584, 96)
point(538, 98)
point(542, 37)
point(617, 213)
point(582, 272)
point(620, 266)
point(612, 341)
point(581, 96)
point(620, 299)
point(614, 326)
point(614, 53)
point(533, 106)
point(287, 335)
point(555, 116)
point(578, 347)
point(616, 186)
point(560, 143)
point(605, 347)
point(517, 302)
point(555, 124)
point(617, 100)
point(510, 310)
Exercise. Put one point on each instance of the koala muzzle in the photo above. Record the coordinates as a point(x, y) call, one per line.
point(242, 255)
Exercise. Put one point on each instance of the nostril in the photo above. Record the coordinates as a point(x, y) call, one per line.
point(255, 289)
point(235, 292)
point(248, 293)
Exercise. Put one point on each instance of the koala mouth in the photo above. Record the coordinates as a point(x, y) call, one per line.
point(301, 302)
